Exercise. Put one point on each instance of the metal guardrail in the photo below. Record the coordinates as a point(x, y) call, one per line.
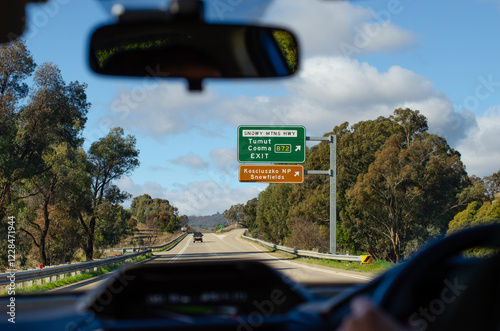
point(27, 277)
point(178, 239)
point(298, 252)
point(140, 248)
point(51, 272)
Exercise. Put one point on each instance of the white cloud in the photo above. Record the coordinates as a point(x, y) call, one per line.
point(480, 149)
point(342, 28)
point(332, 90)
point(223, 158)
point(190, 160)
point(158, 110)
point(194, 198)
point(328, 91)
point(126, 183)
point(207, 198)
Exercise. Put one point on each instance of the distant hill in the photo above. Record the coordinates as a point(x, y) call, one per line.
point(197, 229)
point(207, 222)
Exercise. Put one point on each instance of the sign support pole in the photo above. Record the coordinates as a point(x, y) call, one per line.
point(332, 141)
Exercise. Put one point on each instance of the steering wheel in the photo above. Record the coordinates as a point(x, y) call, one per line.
point(438, 289)
point(397, 285)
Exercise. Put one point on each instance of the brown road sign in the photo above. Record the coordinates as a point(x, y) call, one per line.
point(271, 173)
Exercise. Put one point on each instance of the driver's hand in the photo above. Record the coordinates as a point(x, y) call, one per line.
point(366, 316)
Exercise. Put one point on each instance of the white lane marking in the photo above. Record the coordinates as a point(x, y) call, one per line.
point(180, 253)
point(220, 236)
point(338, 273)
point(211, 249)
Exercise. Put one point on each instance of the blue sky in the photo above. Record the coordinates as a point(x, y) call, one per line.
point(360, 60)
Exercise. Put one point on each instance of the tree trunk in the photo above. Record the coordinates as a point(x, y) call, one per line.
point(41, 252)
point(89, 247)
point(3, 199)
point(43, 234)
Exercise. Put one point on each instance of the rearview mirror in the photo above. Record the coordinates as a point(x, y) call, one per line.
point(193, 50)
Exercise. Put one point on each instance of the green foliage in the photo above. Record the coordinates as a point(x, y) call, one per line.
point(157, 213)
point(63, 241)
point(114, 224)
point(476, 214)
point(250, 214)
point(43, 208)
point(38, 144)
point(397, 185)
point(288, 47)
point(140, 207)
point(492, 185)
point(234, 213)
point(272, 212)
point(45, 176)
point(108, 159)
point(407, 195)
point(376, 267)
point(112, 157)
point(309, 235)
point(104, 55)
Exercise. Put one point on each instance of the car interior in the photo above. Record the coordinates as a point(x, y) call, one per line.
point(176, 42)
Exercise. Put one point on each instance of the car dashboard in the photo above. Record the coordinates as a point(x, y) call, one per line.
point(250, 295)
point(208, 296)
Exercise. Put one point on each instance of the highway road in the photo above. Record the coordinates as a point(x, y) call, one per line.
point(230, 246)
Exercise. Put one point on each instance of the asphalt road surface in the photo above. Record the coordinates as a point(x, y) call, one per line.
point(230, 246)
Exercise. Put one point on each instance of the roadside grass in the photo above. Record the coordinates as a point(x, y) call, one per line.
point(73, 279)
point(376, 267)
point(170, 245)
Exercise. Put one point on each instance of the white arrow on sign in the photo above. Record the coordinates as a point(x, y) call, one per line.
point(297, 148)
point(297, 174)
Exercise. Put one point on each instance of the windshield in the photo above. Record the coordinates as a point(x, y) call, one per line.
point(395, 103)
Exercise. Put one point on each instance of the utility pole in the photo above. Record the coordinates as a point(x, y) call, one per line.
point(332, 172)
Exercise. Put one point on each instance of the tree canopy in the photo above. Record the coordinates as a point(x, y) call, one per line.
point(157, 213)
point(62, 196)
point(397, 186)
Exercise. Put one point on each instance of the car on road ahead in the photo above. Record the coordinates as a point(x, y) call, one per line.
point(197, 236)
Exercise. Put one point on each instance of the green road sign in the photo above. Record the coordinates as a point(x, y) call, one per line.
point(271, 144)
